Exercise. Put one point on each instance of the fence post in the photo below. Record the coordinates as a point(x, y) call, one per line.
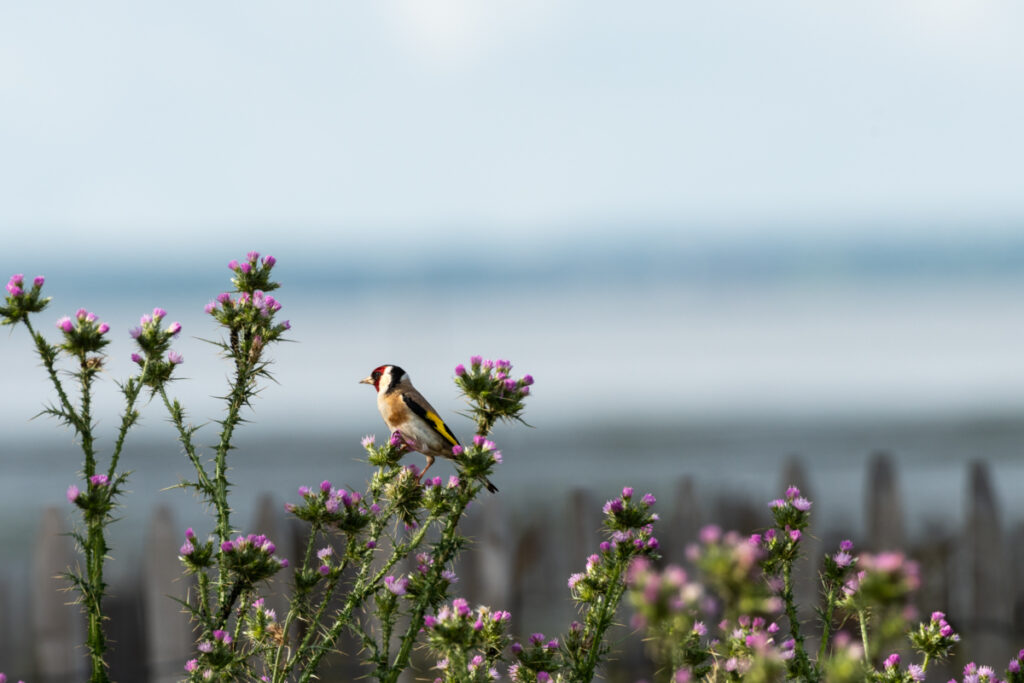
point(168, 627)
point(991, 604)
point(58, 629)
point(884, 504)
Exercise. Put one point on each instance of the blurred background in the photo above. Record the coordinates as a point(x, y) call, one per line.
point(717, 235)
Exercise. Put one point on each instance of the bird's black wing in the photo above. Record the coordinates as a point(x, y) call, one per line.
point(432, 418)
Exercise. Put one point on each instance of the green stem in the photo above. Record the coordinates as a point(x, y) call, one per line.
point(185, 439)
point(362, 589)
point(448, 546)
point(607, 605)
point(826, 628)
point(802, 661)
point(862, 617)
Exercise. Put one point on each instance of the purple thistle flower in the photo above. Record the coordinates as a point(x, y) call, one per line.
point(227, 547)
point(396, 586)
point(253, 256)
point(175, 358)
point(210, 307)
point(205, 646)
point(792, 492)
point(649, 500)
point(38, 281)
point(136, 358)
point(543, 677)
point(475, 361)
point(843, 559)
point(429, 621)
point(368, 440)
point(189, 534)
point(174, 328)
point(537, 638)
point(224, 298)
point(460, 606)
point(98, 480)
point(304, 491)
point(917, 673)
point(627, 492)
point(325, 486)
point(846, 545)
point(371, 544)
point(794, 534)
point(553, 644)
point(14, 290)
point(324, 570)
point(269, 261)
point(135, 332)
point(159, 314)
point(186, 549)
point(233, 264)
point(460, 370)
point(287, 324)
point(284, 563)
point(802, 504)
point(1014, 666)
point(65, 325)
point(17, 279)
point(510, 384)
point(777, 503)
point(73, 493)
point(103, 328)
point(527, 380)
point(81, 313)
point(245, 268)
point(892, 661)
point(457, 450)
point(191, 665)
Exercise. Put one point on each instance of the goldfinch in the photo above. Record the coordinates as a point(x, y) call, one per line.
point(406, 411)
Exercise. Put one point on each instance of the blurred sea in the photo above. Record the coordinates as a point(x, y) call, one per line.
point(651, 363)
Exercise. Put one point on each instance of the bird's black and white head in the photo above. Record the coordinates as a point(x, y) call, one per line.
point(385, 378)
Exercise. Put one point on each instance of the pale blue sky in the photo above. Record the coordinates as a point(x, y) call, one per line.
point(199, 122)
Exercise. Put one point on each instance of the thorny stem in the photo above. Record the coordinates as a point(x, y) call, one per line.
point(606, 611)
point(803, 662)
point(862, 617)
point(449, 547)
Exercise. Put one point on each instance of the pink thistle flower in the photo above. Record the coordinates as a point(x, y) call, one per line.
point(38, 281)
point(65, 325)
point(175, 358)
point(269, 261)
point(191, 665)
point(174, 328)
point(457, 450)
point(103, 328)
point(846, 545)
point(475, 361)
point(81, 313)
point(135, 332)
point(73, 493)
point(460, 370)
point(136, 358)
point(233, 264)
point(210, 307)
point(253, 256)
point(99, 480)
point(159, 314)
point(245, 268)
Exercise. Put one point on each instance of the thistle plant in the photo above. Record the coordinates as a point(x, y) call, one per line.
point(870, 592)
point(82, 340)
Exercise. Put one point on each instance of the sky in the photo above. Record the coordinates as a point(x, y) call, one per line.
point(390, 152)
point(425, 124)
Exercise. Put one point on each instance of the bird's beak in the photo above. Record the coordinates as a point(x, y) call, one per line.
point(366, 380)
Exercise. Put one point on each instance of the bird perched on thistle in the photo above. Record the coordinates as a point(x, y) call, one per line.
point(407, 413)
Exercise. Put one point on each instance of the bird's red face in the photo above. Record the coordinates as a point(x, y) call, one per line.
point(375, 377)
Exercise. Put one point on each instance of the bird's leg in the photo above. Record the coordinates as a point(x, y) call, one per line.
point(430, 461)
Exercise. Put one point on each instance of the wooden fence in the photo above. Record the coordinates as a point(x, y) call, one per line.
point(972, 570)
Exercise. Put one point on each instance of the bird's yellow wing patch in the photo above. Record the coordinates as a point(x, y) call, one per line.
point(433, 418)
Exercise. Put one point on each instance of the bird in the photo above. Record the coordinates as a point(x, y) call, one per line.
point(406, 412)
